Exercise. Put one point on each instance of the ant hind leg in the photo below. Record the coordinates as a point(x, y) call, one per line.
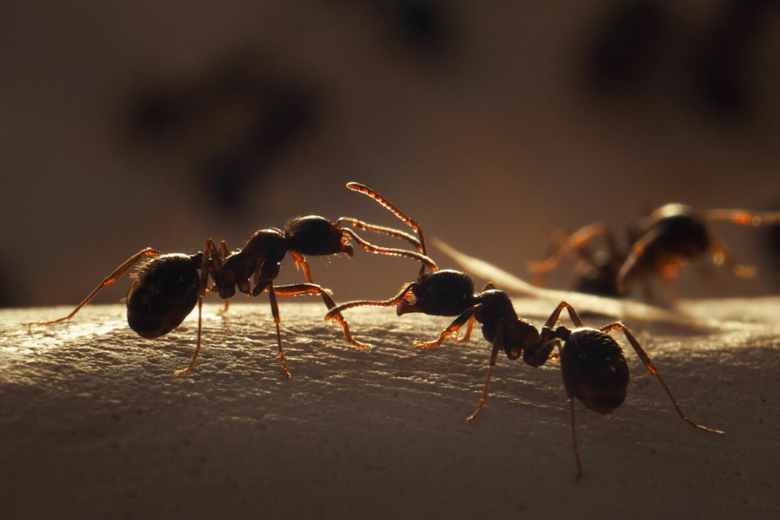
point(649, 365)
point(113, 277)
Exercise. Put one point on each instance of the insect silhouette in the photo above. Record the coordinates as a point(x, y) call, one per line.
point(167, 287)
point(660, 244)
point(592, 363)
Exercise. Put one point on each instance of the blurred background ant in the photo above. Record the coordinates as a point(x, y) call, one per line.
point(592, 363)
point(166, 289)
point(661, 244)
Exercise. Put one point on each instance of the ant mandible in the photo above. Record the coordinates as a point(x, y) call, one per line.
point(166, 289)
point(661, 243)
point(592, 363)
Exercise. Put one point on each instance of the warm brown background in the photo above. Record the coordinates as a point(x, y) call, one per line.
point(493, 124)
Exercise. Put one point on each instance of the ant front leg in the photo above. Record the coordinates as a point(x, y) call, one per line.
point(649, 364)
point(467, 316)
point(575, 242)
point(300, 261)
point(306, 288)
point(497, 346)
point(113, 277)
point(335, 312)
point(467, 336)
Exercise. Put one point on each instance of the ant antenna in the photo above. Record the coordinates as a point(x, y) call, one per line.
point(365, 190)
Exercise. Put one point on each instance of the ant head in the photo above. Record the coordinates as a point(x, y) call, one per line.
point(315, 236)
point(163, 294)
point(442, 293)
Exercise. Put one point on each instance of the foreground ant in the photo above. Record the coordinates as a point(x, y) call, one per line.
point(661, 243)
point(166, 289)
point(592, 363)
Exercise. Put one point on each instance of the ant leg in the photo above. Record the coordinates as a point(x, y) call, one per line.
point(721, 253)
point(368, 303)
point(335, 312)
point(649, 364)
point(204, 279)
point(630, 265)
point(305, 288)
point(570, 394)
point(557, 312)
point(467, 335)
point(465, 339)
point(223, 250)
point(355, 223)
point(300, 261)
point(746, 218)
point(113, 277)
point(371, 248)
point(575, 242)
point(468, 315)
point(497, 346)
point(277, 321)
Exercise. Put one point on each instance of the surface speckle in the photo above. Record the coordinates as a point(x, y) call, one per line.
point(92, 418)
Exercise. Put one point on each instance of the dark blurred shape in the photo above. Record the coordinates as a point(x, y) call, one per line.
point(725, 69)
point(598, 277)
point(422, 23)
point(773, 240)
point(621, 53)
point(232, 124)
point(6, 300)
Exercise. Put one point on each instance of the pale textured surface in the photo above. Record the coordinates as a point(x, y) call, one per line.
point(94, 424)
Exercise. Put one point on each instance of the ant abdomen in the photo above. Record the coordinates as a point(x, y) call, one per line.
point(163, 294)
point(594, 370)
point(681, 233)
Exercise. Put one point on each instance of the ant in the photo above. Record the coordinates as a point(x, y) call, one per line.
point(661, 243)
point(166, 288)
point(592, 363)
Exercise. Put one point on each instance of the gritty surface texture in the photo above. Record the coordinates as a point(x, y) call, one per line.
point(93, 423)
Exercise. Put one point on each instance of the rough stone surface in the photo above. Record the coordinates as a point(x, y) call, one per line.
point(93, 424)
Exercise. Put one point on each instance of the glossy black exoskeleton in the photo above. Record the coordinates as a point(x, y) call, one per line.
point(167, 288)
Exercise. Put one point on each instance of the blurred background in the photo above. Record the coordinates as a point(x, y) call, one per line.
point(493, 124)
